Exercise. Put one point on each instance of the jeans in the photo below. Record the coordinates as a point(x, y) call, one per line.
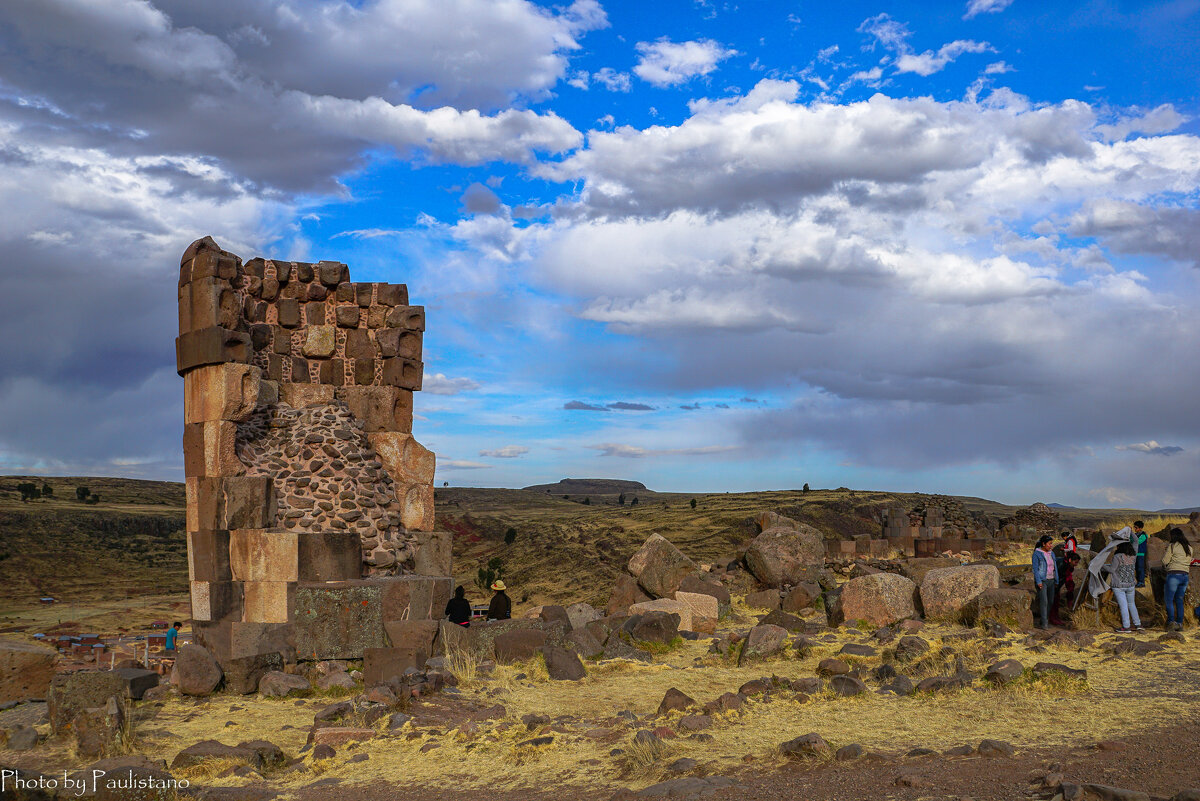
point(1141, 569)
point(1126, 599)
point(1045, 599)
point(1176, 588)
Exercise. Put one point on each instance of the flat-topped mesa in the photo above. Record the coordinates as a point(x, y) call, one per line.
point(301, 468)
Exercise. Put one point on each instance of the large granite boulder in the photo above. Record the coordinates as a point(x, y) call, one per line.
point(518, 645)
point(277, 684)
point(563, 665)
point(946, 591)
point(916, 569)
point(581, 614)
point(1004, 606)
point(705, 584)
point(764, 640)
point(653, 627)
point(680, 608)
point(660, 567)
point(196, 671)
point(704, 609)
point(25, 670)
point(786, 555)
point(880, 599)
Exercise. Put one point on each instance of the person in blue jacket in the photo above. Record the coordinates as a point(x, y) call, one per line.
point(1045, 576)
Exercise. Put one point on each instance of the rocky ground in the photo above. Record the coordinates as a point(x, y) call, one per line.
point(513, 732)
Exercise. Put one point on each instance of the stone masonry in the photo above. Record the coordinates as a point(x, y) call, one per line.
point(309, 502)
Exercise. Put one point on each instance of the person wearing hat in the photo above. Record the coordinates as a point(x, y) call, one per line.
point(501, 607)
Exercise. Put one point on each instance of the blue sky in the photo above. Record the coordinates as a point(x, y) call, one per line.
point(946, 247)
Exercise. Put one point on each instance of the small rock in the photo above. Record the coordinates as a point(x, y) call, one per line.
point(848, 752)
point(805, 746)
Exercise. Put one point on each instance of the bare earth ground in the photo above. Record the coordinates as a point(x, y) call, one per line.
point(475, 744)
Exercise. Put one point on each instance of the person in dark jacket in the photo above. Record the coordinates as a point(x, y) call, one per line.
point(501, 607)
point(458, 608)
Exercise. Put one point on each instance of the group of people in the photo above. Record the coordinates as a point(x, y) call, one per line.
point(1126, 573)
point(458, 608)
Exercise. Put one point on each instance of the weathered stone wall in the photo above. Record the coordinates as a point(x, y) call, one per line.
point(301, 470)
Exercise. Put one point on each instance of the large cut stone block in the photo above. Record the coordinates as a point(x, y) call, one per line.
point(412, 635)
point(295, 556)
point(411, 318)
point(210, 346)
point(381, 665)
point(299, 396)
point(239, 502)
point(216, 601)
point(416, 597)
point(267, 601)
point(416, 506)
point(320, 342)
point(403, 373)
point(220, 392)
point(392, 294)
point(433, 553)
point(209, 302)
point(398, 342)
point(209, 449)
point(405, 460)
point(374, 406)
point(25, 670)
point(208, 556)
point(72, 693)
point(338, 620)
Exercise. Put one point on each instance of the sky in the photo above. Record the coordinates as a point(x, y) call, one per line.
point(710, 246)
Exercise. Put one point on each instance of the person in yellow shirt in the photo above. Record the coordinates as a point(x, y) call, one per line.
point(1177, 561)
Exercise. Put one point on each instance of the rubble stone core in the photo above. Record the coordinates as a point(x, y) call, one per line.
point(304, 483)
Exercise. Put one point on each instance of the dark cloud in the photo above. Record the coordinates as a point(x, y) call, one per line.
point(580, 406)
point(631, 407)
point(690, 407)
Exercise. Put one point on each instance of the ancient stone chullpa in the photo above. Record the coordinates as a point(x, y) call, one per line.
point(309, 502)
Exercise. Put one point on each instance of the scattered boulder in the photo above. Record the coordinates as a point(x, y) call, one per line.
point(554, 613)
point(900, 685)
point(832, 667)
point(879, 599)
point(805, 747)
point(763, 599)
point(1002, 606)
point(785, 620)
point(761, 642)
point(616, 648)
point(196, 671)
point(946, 591)
point(782, 555)
point(1004, 671)
point(703, 584)
point(858, 649)
point(848, 752)
point(675, 700)
point(691, 787)
point(625, 593)
point(338, 679)
point(935, 684)
point(584, 643)
point(579, 615)
point(23, 738)
point(683, 610)
point(518, 645)
point(802, 596)
point(653, 627)
point(660, 567)
point(72, 693)
point(242, 674)
point(201, 752)
point(847, 685)
point(996, 748)
point(910, 647)
point(277, 684)
point(916, 569)
point(25, 670)
point(269, 754)
point(726, 702)
point(563, 665)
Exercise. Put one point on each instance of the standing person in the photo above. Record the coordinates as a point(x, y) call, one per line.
point(1177, 561)
point(1066, 586)
point(458, 608)
point(172, 636)
point(1139, 530)
point(1070, 544)
point(1123, 569)
point(1044, 576)
point(501, 607)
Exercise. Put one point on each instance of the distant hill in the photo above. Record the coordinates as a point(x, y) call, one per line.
point(1061, 506)
point(1187, 511)
point(591, 486)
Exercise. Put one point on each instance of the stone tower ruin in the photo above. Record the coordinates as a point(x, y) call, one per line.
point(309, 503)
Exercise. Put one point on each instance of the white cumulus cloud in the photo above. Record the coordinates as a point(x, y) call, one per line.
point(666, 63)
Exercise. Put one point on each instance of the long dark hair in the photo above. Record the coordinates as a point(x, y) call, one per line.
point(1177, 537)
